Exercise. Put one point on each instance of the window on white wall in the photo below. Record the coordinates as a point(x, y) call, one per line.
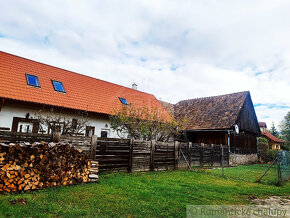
point(90, 131)
point(104, 133)
point(25, 127)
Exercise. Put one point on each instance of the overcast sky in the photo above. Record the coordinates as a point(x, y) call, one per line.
point(175, 50)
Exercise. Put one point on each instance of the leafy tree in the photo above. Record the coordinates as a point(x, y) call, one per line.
point(273, 130)
point(143, 123)
point(285, 131)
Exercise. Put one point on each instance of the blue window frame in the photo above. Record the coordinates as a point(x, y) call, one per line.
point(32, 80)
point(58, 86)
point(123, 101)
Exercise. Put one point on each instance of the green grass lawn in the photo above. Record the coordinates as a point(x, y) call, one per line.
point(146, 194)
point(250, 173)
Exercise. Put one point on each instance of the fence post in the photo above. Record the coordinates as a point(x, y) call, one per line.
point(222, 159)
point(189, 153)
point(201, 154)
point(94, 147)
point(176, 158)
point(152, 154)
point(212, 155)
point(131, 156)
point(56, 137)
point(228, 155)
point(167, 154)
point(279, 168)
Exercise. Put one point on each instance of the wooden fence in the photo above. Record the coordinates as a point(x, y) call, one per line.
point(135, 155)
point(7, 137)
point(203, 155)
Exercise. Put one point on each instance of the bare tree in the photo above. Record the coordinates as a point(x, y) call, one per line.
point(61, 122)
point(145, 123)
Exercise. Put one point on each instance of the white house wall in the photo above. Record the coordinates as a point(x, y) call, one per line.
point(9, 111)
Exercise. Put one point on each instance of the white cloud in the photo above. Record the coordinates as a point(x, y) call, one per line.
point(174, 49)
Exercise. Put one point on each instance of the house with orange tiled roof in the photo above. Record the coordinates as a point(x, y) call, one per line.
point(27, 86)
point(274, 142)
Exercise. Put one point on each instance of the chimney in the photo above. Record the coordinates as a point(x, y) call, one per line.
point(134, 86)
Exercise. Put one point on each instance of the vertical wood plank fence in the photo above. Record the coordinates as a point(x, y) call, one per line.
point(136, 155)
point(202, 155)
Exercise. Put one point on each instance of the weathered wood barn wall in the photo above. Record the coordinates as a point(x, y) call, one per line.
point(214, 120)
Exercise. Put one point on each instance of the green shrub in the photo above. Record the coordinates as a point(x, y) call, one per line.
point(271, 155)
point(285, 147)
point(263, 147)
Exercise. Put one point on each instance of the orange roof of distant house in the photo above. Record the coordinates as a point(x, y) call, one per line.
point(271, 137)
point(82, 92)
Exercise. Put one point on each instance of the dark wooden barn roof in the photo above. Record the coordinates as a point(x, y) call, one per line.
point(168, 106)
point(217, 112)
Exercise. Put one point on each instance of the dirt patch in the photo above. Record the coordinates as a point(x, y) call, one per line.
point(21, 201)
point(275, 201)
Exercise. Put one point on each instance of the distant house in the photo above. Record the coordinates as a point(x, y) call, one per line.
point(274, 142)
point(28, 86)
point(263, 126)
point(226, 119)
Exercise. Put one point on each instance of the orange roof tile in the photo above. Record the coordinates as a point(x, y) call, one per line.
point(271, 137)
point(82, 92)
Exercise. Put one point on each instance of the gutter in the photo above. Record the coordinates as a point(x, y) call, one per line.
point(210, 130)
point(229, 141)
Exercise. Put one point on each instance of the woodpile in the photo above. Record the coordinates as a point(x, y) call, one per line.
point(94, 169)
point(25, 167)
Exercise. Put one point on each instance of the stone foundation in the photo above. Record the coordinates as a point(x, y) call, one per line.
point(242, 159)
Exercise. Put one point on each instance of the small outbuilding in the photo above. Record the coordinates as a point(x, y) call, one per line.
point(225, 119)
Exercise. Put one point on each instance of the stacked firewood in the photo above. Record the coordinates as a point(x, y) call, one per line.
point(26, 167)
point(94, 169)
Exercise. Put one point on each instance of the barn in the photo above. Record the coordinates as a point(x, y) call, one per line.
point(225, 119)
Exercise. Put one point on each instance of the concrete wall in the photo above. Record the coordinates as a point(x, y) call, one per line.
point(242, 159)
point(10, 110)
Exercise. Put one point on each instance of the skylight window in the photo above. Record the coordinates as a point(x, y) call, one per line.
point(124, 101)
point(58, 86)
point(32, 80)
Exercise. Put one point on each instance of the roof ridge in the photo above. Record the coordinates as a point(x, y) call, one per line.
point(73, 72)
point(212, 96)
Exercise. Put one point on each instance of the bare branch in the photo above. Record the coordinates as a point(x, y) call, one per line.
point(61, 122)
